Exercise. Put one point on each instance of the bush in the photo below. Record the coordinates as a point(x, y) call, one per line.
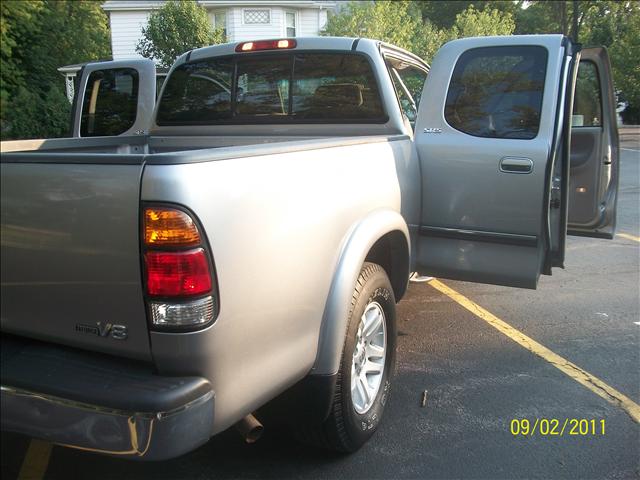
point(32, 116)
point(631, 115)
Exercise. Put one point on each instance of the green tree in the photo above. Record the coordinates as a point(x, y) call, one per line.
point(479, 23)
point(443, 13)
point(177, 27)
point(566, 17)
point(614, 24)
point(37, 37)
point(397, 22)
point(401, 23)
point(17, 25)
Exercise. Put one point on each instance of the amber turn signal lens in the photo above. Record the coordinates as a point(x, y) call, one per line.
point(169, 227)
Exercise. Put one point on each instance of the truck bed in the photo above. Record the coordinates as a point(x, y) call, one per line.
point(70, 227)
point(144, 144)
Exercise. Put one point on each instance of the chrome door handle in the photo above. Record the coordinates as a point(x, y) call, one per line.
point(516, 165)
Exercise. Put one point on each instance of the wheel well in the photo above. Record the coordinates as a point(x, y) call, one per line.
point(391, 252)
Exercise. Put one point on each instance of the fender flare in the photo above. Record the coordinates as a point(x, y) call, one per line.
point(361, 237)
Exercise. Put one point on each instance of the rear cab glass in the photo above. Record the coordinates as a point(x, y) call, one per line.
point(278, 87)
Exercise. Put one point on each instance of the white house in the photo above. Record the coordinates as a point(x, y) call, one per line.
point(241, 20)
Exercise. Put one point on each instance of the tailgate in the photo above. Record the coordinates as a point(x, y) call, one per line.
point(70, 252)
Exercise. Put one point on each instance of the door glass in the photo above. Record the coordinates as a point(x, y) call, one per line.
point(587, 108)
point(496, 92)
point(408, 82)
point(110, 102)
point(413, 78)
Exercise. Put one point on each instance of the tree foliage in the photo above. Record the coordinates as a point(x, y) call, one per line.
point(444, 13)
point(177, 27)
point(614, 24)
point(392, 22)
point(422, 27)
point(403, 23)
point(485, 22)
point(37, 37)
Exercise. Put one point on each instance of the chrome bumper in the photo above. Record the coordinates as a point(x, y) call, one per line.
point(142, 416)
point(142, 435)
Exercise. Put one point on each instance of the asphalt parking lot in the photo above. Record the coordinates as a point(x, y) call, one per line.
point(478, 380)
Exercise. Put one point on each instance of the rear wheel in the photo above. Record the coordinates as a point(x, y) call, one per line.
point(366, 367)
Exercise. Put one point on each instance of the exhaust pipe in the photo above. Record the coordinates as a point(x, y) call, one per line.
point(250, 428)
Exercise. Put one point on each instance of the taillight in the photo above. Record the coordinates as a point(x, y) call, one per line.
point(178, 274)
point(179, 280)
point(164, 226)
point(256, 45)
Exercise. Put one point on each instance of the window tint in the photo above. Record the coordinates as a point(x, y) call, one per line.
point(335, 87)
point(197, 92)
point(587, 106)
point(272, 88)
point(496, 92)
point(110, 102)
point(263, 86)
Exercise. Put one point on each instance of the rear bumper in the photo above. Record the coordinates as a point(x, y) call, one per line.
point(101, 404)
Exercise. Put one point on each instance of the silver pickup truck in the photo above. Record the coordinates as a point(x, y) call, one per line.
point(245, 241)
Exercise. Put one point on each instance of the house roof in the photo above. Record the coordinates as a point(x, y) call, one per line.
point(120, 5)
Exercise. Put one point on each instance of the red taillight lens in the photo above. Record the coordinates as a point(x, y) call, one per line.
point(172, 274)
point(282, 44)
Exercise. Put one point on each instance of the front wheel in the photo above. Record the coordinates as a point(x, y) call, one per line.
point(366, 368)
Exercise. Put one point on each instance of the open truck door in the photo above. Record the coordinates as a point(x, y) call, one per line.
point(593, 183)
point(494, 143)
point(114, 98)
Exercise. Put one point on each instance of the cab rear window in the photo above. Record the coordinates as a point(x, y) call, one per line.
point(273, 88)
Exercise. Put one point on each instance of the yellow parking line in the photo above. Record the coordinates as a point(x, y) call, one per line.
point(581, 376)
point(36, 461)
point(628, 236)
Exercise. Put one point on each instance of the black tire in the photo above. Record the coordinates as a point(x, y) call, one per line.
point(345, 430)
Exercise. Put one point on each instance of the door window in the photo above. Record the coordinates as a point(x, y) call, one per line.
point(408, 81)
point(496, 92)
point(587, 106)
point(110, 102)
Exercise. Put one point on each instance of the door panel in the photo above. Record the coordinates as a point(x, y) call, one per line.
point(114, 98)
point(586, 162)
point(593, 182)
point(486, 139)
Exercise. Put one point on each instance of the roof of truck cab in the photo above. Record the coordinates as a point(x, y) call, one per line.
point(302, 43)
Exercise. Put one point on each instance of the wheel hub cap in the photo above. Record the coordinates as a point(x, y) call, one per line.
point(368, 358)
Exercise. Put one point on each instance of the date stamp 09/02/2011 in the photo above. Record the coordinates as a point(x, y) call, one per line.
point(554, 427)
